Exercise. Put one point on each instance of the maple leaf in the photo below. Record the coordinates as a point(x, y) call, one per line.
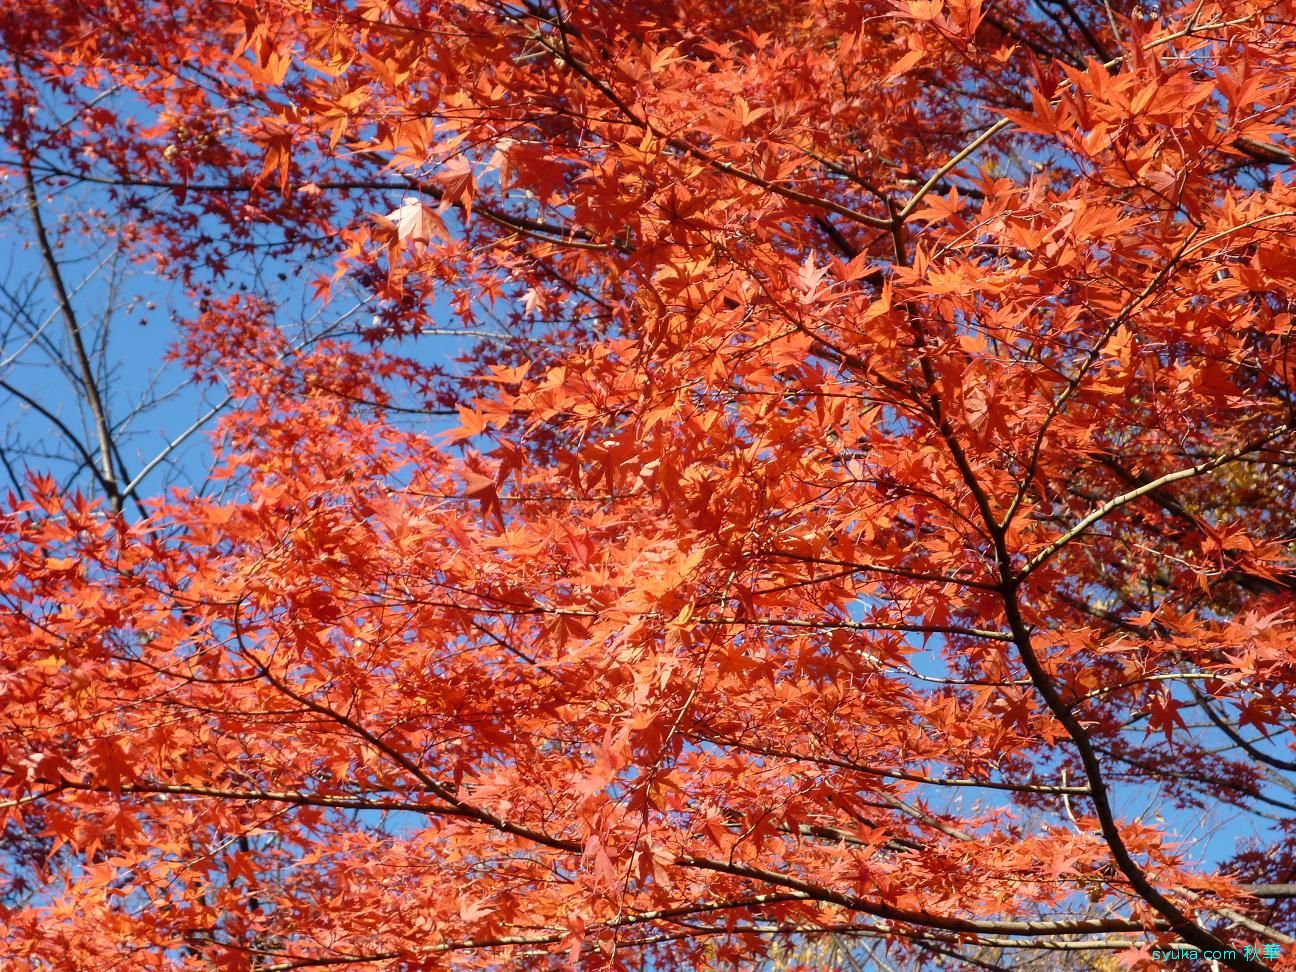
point(485, 491)
point(458, 186)
point(1164, 716)
point(416, 222)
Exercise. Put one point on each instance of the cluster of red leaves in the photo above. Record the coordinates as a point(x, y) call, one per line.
point(892, 402)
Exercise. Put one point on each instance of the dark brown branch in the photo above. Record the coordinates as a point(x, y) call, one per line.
point(107, 473)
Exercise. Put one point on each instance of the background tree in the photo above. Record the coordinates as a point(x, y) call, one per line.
point(865, 516)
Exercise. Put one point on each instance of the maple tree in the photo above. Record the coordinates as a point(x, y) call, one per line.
point(865, 515)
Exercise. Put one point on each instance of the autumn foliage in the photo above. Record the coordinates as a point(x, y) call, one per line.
point(865, 509)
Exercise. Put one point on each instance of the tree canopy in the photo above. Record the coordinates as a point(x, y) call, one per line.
point(748, 478)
